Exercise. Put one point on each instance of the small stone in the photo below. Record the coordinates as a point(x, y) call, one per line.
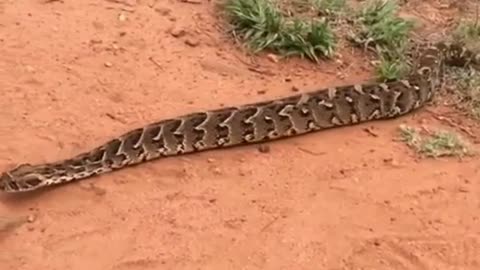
point(192, 42)
point(31, 218)
point(192, 1)
point(295, 89)
point(30, 69)
point(96, 41)
point(98, 191)
point(163, 11)
point(288, 79)
point(264, 148)
point(391, 161)
point(272, 57)
point(177, 32)
point(261, 92)
point(210, 160)
point(217, 170)
point(108, 64)
point(122, 17)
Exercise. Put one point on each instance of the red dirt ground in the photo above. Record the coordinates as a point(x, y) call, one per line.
point(76, 73)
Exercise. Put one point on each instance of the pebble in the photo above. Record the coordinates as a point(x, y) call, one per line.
point(163, 11)
point(177, 32)
point(122, 17)
point(192, 42)
point(108, 64)
point(30, 69)
point(272, 57)
point(31, 218)
point(264, 148)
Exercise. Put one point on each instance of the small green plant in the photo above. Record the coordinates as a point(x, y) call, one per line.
point(391, 69)
point(379, 28)
point(467, 86)
point(439, 144)
point(468, 30)
point(257, 22)
point(300, 38)
point(444, 143)
point(261, 24)
point(410, 135)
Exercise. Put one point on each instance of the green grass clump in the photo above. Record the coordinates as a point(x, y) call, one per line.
point(258, 22)
point(439, 144)
point(467, 89)
point(391, 68)
point(261, 25)
point(466, 82)
point(378, 27)
point(468, 30)
point(383, 27)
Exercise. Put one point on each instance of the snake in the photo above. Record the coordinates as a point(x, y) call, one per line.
point(259, 122)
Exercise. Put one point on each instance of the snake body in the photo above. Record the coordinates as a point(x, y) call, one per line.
point(251, 123)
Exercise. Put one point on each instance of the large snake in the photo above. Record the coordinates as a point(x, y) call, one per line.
point(252, 123)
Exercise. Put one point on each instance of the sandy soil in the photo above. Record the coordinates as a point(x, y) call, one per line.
point(76, 73)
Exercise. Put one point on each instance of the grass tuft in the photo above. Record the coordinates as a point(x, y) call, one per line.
point(391, 69)
point(439, 144)
point(378, 27)
point(258, 22)
point(468, 30)
point(261, 25)
point(467, 89)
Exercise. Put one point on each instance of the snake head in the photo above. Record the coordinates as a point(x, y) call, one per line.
point(24, 177)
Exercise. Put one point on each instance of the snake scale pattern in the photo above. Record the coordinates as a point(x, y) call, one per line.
point(253, 123)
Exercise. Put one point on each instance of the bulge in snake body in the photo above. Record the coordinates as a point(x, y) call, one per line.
point(251, 123)
point(299, 114)
point(236, 125)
